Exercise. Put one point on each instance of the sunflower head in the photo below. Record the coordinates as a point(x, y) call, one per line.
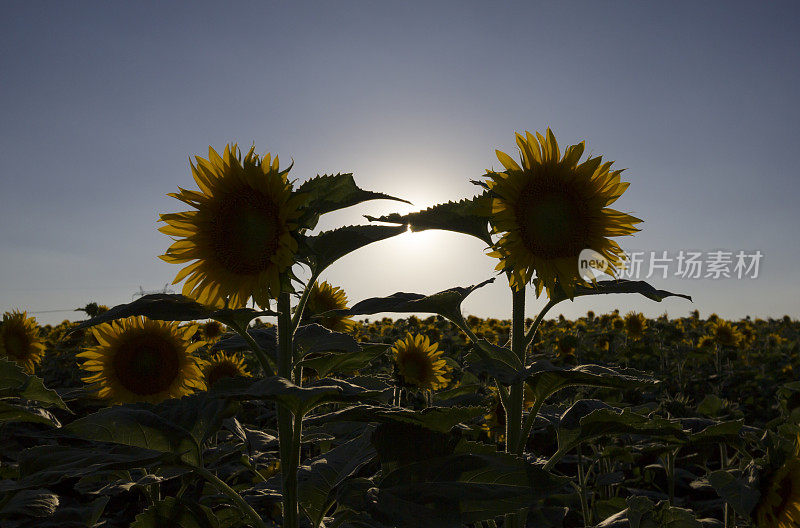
point(551, 208)
point(143, 360)
point(724, 334)
point(779, 506)
point(419, 363)
point(212, 330)
point(20, 341)
point(240, 235)
point(706, 343)
point(221, 366)
point(635, 323)
point(322, 298)
point(567, 344)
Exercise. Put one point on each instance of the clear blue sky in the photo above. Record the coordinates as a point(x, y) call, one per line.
point(102, 104)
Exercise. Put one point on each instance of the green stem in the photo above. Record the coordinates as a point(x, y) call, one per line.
point(528, 425)
point(518, 346)
point(535, 326)
point(301, 304)
point(286, 433)
point(257, 350)
point(582, 478)
point(223, 488)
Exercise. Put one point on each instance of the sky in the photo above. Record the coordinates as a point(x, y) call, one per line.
point(104, 103)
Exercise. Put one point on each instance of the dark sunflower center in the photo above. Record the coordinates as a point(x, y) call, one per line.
point(17, 344)
point(417, 366)
point(552, 220)
point(220, 370)
point(147, 364)
point(245, 232)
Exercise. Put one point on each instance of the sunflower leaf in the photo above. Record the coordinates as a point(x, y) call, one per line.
point(446, 303)
point(321, 250)
point(178, 513)
point(174, 307)
point(469, 216)
point(16, 383)
point(498, 362)
point(315, 339)
point(440, 419)
point(742, 497)
point(19, 413)
point(319, 477)
point(545, 379)
point(135, 425)
point(455, 490)
point(299, 400)
point(339, 363)
point(30, 503)
point(331, 192)
point(621, 286)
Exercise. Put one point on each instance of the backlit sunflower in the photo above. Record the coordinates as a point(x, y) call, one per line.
point(550, 209)
point(419, 363)
point(725, 334)
point(143, 360)
point(223, 365)
point(241, 235)
point(20, 341)
point(322, 298)
point(635, 324)
point(779, 506)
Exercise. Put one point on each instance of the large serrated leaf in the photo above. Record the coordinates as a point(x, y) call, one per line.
point(299, 400)
point(545, 379)
point(440, 419)
point(319, 477)
point(331, 192)
point(139, 427)
point(345, 362)
point(468, 216)
point(459, 489)
point(26, 413)
point(321, 250)
point(29, 503)
point(16, 383)
point(740, 494)
point(174, 307)
point(446, 303)
point(587, 420)
point(176, 513)
point(316, 339)
point(622, 286)
point(496, 361)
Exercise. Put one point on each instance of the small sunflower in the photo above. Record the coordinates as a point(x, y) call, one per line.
point(20, 341)
point(567, 344)
point(323, 298)
point(706, 343)
point(222, 365)
point(635, 324)
point(550, 209)
point(779, 506)
point(143, 360)
point(241, 235)
point(419, 363)
point(212, 330)
point(725, 334)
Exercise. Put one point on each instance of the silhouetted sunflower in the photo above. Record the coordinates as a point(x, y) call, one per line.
point(635, 323)
point(241, 233)
point(779, 506)
point(20, 341)
point(724, 334)
point(550, 209)
point(222, 365)
point(212, 330)
point(419, 363)
point(322, 298)
point(142, 360)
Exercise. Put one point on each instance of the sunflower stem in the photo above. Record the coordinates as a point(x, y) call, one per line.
point(223, 488)
point(515, 398)
point(301, 304)
point(528, 425)
point(287, 435)
point(535, 326)
point(257, 350)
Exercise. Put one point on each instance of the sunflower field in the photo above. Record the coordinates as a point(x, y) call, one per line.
point(256, 398)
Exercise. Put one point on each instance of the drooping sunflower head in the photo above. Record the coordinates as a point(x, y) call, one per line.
point(20, 341)
point(635, 323)
point(222, 365)
point(212, 330)
point(551, 208)
point(143, 360)
point(419, 363)
point(779, 506)
point(322, 298)
point(240, 234)
point(725, 334)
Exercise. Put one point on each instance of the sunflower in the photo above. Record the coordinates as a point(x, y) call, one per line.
point(635, 323)
point(20, 341)
point(419, 363)
point(567, 344)
point(724, 334)
point(779, 506)
point(212, 330)
point(706, 343)
point(222, 365)
point(322, 298)
point(140, 359)
point(550, 209)
point(241, 235)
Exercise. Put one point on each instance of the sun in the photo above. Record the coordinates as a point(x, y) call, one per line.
point(142, 360)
